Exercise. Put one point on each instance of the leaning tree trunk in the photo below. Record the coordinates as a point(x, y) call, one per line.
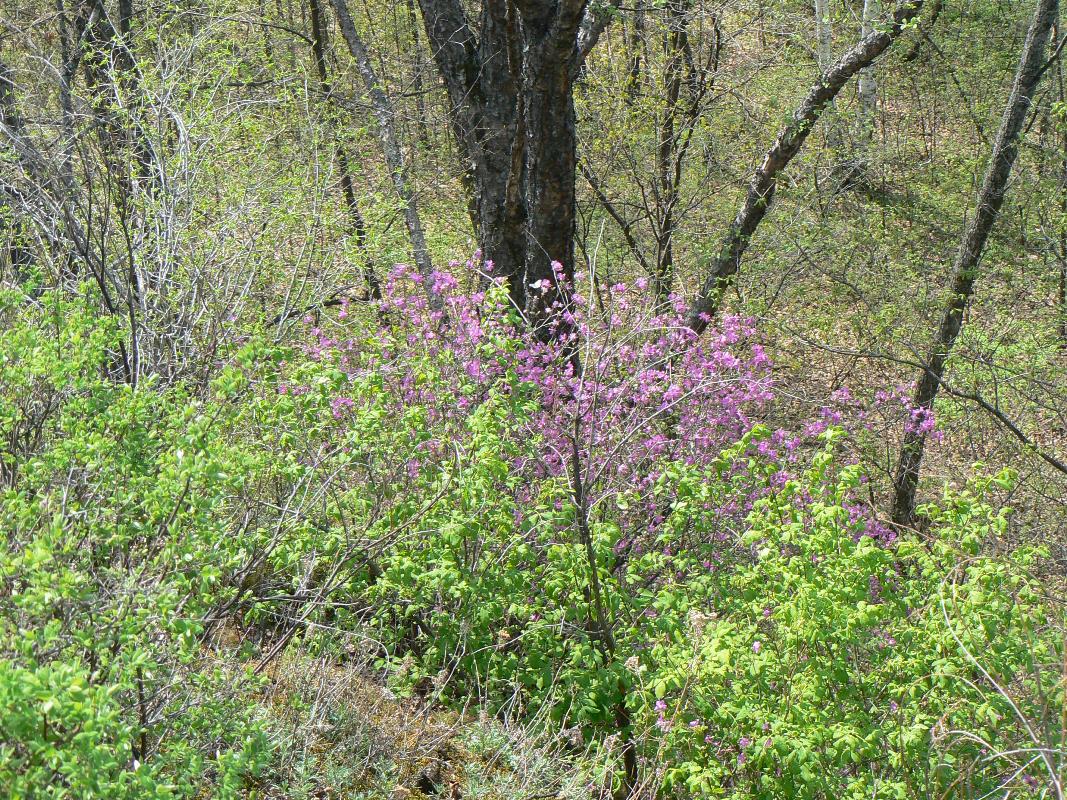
point(790, 139)
point(965, 270)
point(357, 224)
point(394, 156)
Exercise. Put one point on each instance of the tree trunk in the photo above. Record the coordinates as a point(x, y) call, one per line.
point(16, 256)
point(1061, 251)
point(118, 101)
point(111, 76)
point(482, 76)
point(867, 93)
point(824, 53)
point(824, 37)
point(764, 181)
point(965, 270)
point(355, 216)
point(510, 89)
point(394, 156)
point(675, 132)
point(50, 198)
point(925, 27)
point(666, 190)
point(635, 43)
point(418, 83)
point(551, 148)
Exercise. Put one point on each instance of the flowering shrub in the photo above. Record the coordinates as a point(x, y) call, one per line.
point(594, 533)
point(606, 535)
point(623, 391)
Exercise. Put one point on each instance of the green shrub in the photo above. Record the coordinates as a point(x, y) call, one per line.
point(780, 654)
point(111, 566)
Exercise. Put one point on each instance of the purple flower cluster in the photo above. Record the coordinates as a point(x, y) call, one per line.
point(917, 419)
point(622, 388)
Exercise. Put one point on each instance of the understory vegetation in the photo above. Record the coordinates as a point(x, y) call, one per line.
point(335, 465)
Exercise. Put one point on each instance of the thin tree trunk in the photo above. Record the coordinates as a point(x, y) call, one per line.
point(19, 257)
point(603, 624)
point(867, 93)
point(927, 25)
point(70, 40)
point(965, 270)
point(1061, 253)
point(139, 142)
point(111, 81)
point(54, 197)
point(419, 82)
point(790, 139)
point(676, 130)
point(635, 43)
point(824, 37)
point(394, 156)
point(666, 194)
point(355, 216)
point(70, 54)
point(853, 172)
point(118, 98)
point(824, 52)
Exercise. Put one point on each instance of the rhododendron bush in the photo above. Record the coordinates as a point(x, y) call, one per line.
point(599, 530)
point(590, 531)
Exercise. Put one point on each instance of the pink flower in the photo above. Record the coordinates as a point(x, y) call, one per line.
point(339, 405)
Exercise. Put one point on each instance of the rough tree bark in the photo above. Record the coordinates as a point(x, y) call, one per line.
point(511, 107)
point(394, 156)
point(790, 139)
point(965, 269)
